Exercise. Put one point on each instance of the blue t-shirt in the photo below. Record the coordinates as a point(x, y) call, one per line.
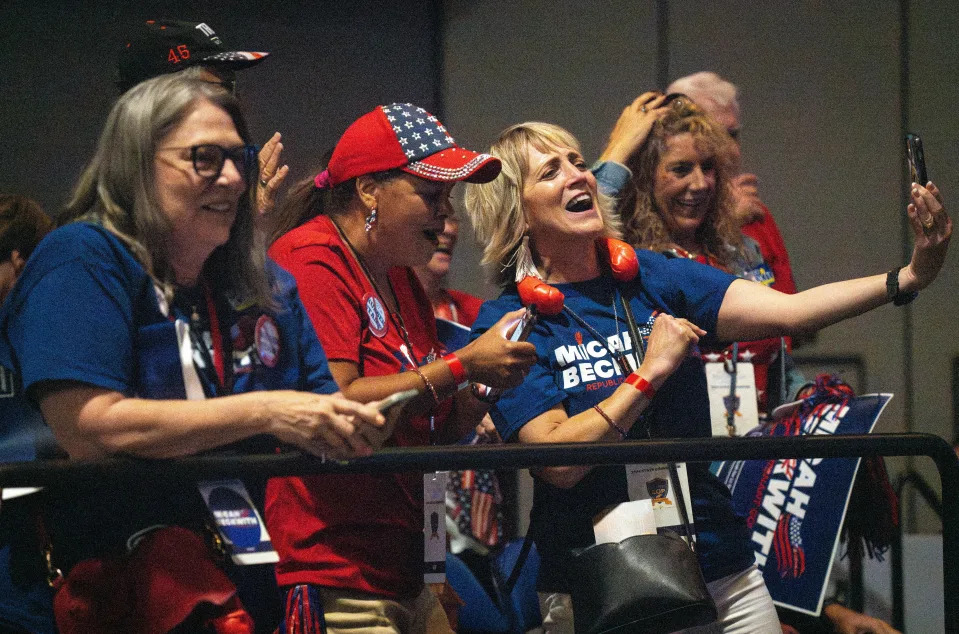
point(85, 310)
point(576, 370)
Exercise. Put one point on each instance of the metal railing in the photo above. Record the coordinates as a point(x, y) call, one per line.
point(67, 476)
point(914, 480)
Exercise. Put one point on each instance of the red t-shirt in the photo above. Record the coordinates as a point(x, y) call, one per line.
point(463, 308)
point(362, 532)
point(766, 233)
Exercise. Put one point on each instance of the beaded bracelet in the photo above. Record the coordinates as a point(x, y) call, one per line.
point(428, 384)
point(622, 432)
point(456, 367)
point(642, 385)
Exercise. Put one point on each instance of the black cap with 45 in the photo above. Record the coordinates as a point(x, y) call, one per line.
point(168, 46)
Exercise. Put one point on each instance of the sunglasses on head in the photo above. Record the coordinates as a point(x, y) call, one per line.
point(673, 96)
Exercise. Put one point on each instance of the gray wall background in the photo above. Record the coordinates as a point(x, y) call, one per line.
point(330, 62)
point(820, 89)
point(822, 127)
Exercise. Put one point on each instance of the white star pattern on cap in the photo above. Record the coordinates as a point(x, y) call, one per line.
point(427, 129)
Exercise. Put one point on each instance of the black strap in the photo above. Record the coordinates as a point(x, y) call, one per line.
point(681, 503)
point(783, 396)
point(520, 560)
point(531, 533)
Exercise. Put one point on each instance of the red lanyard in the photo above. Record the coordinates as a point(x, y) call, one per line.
point(215, 335)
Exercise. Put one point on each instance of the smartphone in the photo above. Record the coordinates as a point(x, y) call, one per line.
point(525, 324)
point(399, 398)
point(520, 333)
point(916, 159)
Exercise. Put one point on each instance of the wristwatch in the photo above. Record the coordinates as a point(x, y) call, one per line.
point(897, 297)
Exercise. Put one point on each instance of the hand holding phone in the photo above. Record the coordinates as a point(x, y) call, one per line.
point(916, 159)
point(525, 325)
point(396, 399)
point(520, 332)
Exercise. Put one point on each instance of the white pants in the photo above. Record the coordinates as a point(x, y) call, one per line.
point(742, 603)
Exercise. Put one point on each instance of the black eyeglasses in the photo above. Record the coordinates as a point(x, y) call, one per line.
point(208, 159)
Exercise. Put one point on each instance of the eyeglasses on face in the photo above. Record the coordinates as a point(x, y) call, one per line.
point(208, 159)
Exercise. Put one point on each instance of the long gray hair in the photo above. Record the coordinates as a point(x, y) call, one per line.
point(118, 187)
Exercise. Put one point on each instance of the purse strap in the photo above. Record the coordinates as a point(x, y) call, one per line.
point(639, 352)
point(507, 587)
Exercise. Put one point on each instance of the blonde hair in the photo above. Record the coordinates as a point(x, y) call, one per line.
point(118, 189)
point(719, 234)
point(495, 209)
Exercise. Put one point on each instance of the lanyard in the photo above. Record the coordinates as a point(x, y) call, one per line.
point(621, 357)
point(218, 372)
point(216, 336)
point(407, 347)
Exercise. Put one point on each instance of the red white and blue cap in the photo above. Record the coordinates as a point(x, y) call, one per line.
point(404, 136)
point(157, 47)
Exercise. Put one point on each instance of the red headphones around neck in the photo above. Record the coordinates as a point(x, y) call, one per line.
point(623, 264)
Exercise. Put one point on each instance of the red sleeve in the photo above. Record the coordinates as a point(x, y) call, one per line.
point(766, 233)
point(467, 306)
point(331, 293)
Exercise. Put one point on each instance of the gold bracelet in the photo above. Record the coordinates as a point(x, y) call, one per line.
point(428, 384)
point(609, 421)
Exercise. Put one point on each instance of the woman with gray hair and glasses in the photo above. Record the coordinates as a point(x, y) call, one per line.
point(151, 324)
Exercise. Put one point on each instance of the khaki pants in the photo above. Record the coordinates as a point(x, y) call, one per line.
point(351, 612)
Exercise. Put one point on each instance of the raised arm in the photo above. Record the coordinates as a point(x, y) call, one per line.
point(633, 127)
point(752, 311)
point(669, 343)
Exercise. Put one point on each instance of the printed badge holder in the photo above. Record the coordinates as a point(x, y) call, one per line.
point(240, 527)
point(733, 398)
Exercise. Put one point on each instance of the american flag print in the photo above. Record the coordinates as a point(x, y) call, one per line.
point(788, 546)
point(476, 509)
point(419, 133)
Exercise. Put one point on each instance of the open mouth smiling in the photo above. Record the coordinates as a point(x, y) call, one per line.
point(580, 203)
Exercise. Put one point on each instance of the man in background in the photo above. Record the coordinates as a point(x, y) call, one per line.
point(157, 47)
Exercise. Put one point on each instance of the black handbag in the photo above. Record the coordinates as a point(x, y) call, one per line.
point(645, 583)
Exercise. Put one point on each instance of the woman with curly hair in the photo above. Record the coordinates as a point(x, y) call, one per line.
point(682, 199)
point(682, 204)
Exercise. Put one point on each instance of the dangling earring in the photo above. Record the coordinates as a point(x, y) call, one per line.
point(533, 291)
point(370, 220)
point(524, 261)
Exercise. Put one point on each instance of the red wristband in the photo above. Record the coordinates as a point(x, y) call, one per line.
point(642, 385)
point(456, 367)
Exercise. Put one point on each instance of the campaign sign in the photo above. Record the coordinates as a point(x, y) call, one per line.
point(451, 334)
point(238, 522)
point(795, 508)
